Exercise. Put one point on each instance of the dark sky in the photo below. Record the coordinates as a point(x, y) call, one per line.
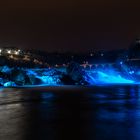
point(69, 25)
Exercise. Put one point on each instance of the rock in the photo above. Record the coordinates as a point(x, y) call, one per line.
point(18, 76)
point(67, 80)
point(1, 82)
point(75, 72)
point(5, 69)
point(21, 77)
point(5, 76)
point(32, 80)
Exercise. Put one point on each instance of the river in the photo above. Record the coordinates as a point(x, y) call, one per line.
point(72, 113)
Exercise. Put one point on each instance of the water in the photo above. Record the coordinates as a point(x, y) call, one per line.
point(97, 113)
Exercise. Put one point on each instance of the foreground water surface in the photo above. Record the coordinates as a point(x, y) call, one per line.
point(97, 113)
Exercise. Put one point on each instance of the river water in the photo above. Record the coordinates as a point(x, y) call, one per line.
point(71, 113)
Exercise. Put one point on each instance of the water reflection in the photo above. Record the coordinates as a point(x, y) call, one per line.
point(117, 113)
point(100, 113)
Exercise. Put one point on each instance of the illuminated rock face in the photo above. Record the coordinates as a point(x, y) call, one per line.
point(18, 77)
point(13, 77)
point(76, 74)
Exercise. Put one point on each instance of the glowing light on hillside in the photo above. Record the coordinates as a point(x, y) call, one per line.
point(102, 54)
point(9, 51)
point(91, 54)
point(16, 52)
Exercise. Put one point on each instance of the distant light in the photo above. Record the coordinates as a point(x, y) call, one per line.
point(91, 54)
point(16, 52)
point(0, 50)
point(19, 50)
point(9, 51)
point(102, 54)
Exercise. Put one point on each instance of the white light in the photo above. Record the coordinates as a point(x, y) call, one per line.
point(0, 50)
point(9, 51)
point(91, 54)
point(16, 52)
point(102, 54)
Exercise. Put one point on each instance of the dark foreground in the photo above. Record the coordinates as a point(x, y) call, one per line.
point(98, 113)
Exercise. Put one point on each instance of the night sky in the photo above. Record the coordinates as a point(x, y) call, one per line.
point(69, 25)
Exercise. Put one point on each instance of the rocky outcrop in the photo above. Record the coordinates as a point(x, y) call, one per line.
point(76, 73)
point(21, 77)
point(67, 80)
point(18, 76)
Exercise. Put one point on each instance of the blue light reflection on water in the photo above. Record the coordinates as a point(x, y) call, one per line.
point(104, 113)
point(117, 113)
point(47, 97)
